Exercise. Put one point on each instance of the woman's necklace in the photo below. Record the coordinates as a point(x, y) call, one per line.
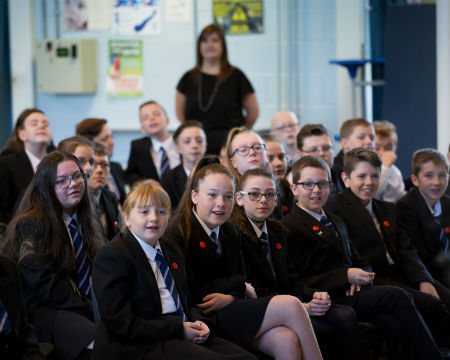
point(211, 98)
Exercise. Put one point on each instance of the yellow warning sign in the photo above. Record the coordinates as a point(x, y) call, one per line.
point(239, 16)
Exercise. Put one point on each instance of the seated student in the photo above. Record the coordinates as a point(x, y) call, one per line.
point(82, 149)
point(245, 150)
point(105, 201)
point(354, 133)
point(278, 167)
point(17, 340)
point(425, 212)
point(391, 186)
point(314, 140)
point(98, 131)
point(153, 155)
point(54, 240)
point(285, 127)
point(190, 140)
point(26, 147)
point(265, 259)
point(278, 326)
point(321, 256)
point(143, 300)
point(374, 231)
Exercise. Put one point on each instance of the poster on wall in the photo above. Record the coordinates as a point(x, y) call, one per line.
point(239, 16)
point(125, 68)
point(136, 17)
point(178, 10)
point(75, 15)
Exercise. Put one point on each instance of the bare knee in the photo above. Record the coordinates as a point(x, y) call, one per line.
point(287, 345)
point(290, 305)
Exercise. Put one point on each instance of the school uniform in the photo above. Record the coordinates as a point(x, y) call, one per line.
point(141, 162)
point(416, 218)
point(117, 177)
point(16, 173)
point(107, 210)
point(320, 257)
point(53, 301)
point(174, 182)
point(387, 248)
point(19, 341)
point(271, 278)
point(209, 272)
point(336, 171)
point(133, 324)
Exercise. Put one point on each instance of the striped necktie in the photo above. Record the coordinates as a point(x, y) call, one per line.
point(164, 161)
point(442, 236)
point(213, 238)
point(324, 220)
point(170, 283)
point(266, 246)
point(5, 324)
point(84, 271)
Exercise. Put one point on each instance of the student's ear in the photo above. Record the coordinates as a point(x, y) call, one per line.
point(126, 220)
point(345, 179)
point(239, 199)
point(294, 189)
point(194, 197)
point(22, 135)
point(344, 144)
point(414, 180)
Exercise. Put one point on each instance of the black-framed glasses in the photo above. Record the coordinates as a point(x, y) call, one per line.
point(256, 195)
point(103, 164)
point(245, 150)
point(309, 185)
point(316, 150)
point(65, 182)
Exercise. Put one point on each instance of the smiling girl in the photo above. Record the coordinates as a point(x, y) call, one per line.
point(278, 326)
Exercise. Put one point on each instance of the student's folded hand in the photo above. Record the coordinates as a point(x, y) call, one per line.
point(203, 333)
point(359, 277)
point(317, 307)
point(214, 302)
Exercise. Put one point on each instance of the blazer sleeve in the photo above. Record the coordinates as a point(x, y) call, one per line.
point(132, 172)
point(114, 276)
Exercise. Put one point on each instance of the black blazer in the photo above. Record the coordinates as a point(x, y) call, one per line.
point(366, 239)
point(140, 162)
point(336, 171)
point(206, 272)
point(416, 219)
point(119, 176)
point(174, 182)
point(316, 256)
point(16, 173)
point(257, 268)
point(129, 300)
point(110, 207)
point(21, 341)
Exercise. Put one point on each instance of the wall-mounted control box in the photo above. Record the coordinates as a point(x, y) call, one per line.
point(66, 66)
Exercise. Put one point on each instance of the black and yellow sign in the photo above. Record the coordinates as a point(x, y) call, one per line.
point(239, 16)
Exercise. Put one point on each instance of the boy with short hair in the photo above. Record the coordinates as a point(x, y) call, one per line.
point(391, 186)
point(321, 256)
point(425, 212)
point(190, 140)
point(375, 233)
point(353, 133)
point(285, 127)
point(156, 153)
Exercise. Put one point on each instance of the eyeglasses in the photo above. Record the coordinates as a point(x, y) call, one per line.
point(309, 185)
point(285, 127)
point(256, 195)
point(315, 150)
point(245, 150)
point(103, 164)
point(84, 161)
point(65, 182)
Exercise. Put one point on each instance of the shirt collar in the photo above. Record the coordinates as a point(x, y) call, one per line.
point(369, 207)
point(259, 231)
point(206, 227)
point(314, 214)
point(68, 218)
point(166, 144)
point(437, 210)
point(149, 250)
point(33, 160)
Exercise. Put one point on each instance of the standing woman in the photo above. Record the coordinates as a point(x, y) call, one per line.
point(53, 239)
point(214, 92)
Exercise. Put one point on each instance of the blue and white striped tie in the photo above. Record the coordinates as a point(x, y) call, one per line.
point(165, 166)
point(84, 271)
point(5, 324)
point(170, 283)
point(324, 220)
point(443, 237)
point(264, 239)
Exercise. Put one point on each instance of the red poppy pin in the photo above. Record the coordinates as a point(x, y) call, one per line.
point(174, 266)
point(116, 224)
point(315, 228)
point(202, 244)
point(447, 230)
point(278, 246)
point(285, 208)
point(386, 223)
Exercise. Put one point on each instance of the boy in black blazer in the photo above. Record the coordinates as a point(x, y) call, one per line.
point(153, 155)
point(320, 255)
point(425, 212)
point(374, 231)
